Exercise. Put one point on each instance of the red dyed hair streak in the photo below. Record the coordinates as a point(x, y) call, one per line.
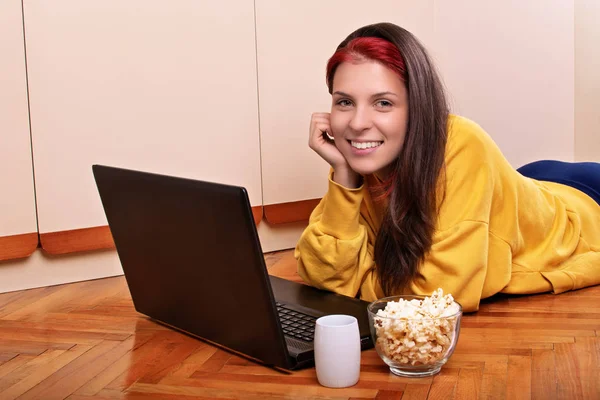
point(364, 49)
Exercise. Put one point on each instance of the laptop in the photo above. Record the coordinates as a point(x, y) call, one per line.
point(192, 260)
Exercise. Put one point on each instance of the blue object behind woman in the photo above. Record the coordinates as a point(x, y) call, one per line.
point(584, 176)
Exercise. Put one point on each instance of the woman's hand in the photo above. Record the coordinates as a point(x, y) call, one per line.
point(319, 141)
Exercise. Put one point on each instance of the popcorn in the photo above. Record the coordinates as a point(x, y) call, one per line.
point(415, 332)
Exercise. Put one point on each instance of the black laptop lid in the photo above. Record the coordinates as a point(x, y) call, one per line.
point(192, 258)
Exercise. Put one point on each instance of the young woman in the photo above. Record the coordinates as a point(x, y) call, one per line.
point(420, 199)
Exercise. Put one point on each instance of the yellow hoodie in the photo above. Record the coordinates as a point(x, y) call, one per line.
point(497, 231)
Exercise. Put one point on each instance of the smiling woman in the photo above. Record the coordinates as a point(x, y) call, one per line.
point(419, 199)
point(360, 105)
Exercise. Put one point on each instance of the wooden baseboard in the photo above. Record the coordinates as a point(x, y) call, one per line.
point(294, 211)
point(18, 246)
point(94, 238)
point(257, 213)
point(72, 241)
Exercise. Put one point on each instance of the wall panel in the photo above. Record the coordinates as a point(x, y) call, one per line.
point(18, 224)
point(159, 86)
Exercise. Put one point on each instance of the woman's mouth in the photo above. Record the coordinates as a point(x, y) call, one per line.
point(364, 147)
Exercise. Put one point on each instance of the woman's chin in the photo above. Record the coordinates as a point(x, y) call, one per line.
point(363, 170)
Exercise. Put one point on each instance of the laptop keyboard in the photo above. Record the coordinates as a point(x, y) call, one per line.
point(296, 324)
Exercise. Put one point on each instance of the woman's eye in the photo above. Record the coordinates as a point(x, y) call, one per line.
point(383, 103)
point(344, 103)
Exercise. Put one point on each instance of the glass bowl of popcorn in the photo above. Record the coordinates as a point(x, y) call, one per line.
point(415, 335)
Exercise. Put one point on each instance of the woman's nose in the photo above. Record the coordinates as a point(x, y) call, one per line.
point(361, 119)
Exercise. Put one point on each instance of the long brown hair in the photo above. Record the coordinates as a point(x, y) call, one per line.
point(407, 228)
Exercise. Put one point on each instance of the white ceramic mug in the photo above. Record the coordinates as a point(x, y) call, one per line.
point(337, 351)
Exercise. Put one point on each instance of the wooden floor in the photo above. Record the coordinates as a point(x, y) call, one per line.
point(84, 340)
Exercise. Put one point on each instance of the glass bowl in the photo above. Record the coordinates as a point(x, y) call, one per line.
point(413, 347)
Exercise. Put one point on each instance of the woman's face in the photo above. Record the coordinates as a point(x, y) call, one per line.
point(369, 115)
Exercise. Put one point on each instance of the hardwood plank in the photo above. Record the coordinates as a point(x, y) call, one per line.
point(58, 336)
point(494, 338)
point(519, 378)
point(13, 364)
point(543, 375)
point(591, 387)
point(34, 377)
point(378, 382)
point(271, 258)
point(286, 267)
point(517, 333)
point(148, 358)
point(469, 383)
point(480, 358)
point(15, 301)
point(542, 325)
point(113, 395)
point(462, 364)
point(587, 354)
point(119, 360)
point(65, 326)
point(28, 368)
point(552, 306)
point(567, 372)
point(265, 388)
point(444, 386)
point(72, 376)
point(9, 297)
point(92, 322)
point(115, 311)
point(194, 362)
point(7, 356)
point(415, 391)
point(226, 393)
point(31, 348)
point(238, 361)
point(174, 358)
point(494, 380)
point(255, 369)
point(386, 380)
point(61, 299)
point(291, 379)
point(577, 367)
point(533, 320)
point(543, 384)
point(501, 347)
point(105, 394)
point(387, 395)
point(465, 347)
point(215, 362)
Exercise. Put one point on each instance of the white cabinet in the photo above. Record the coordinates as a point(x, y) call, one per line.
point(587, 80)
point(18, 225)
point(155, 85)
point(509, 65)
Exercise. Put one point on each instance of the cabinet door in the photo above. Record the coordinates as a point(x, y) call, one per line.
point(154, 85)
point(294, 42)
point(587, 80)
point(509, 65)
point(18, 224)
